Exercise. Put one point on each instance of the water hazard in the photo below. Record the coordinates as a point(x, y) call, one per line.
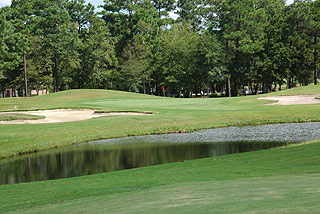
point(132, 152)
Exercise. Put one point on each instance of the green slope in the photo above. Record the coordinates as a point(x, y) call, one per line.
point(285, 180)
point(171, 115)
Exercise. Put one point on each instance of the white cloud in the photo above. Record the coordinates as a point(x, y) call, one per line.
point(5, 3)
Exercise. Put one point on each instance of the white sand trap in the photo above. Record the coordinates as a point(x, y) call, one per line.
point(64, 115)
point(292, 100)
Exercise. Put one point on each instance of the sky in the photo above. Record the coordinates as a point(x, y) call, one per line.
point(94, 2)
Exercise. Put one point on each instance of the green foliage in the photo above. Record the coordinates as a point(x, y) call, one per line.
point(80, 14)
point(97, 57)
point(134, 69)
point(299, 18)
point(9, 50)
point(242, 26)
point(163, 8)
point(121, 20)
point(135, 45)
point(3, 45)
point(59, 36)
point(191, 12)
point(191, 60)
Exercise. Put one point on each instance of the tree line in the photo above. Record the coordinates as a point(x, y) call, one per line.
point(226, 46)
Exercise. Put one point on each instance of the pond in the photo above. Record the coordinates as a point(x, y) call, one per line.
point(132, 152)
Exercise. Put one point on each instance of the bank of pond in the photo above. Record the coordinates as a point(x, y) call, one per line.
point(132, 152)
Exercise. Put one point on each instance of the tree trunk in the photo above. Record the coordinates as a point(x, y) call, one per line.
point(280, 84)
point(79, 82)
point(227, 56)
point(234, 88)
point(269, 87)
point(264, 88)
point(156, 85)
point(55, 75)
point(148, 88)
point(256, 90)
point(235, 85)
point(315, 57)
point(67, 86)
point(25, 74)
point(229, 88)
point(289, 83)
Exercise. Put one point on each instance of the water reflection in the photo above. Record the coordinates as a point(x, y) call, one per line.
point(132, 152)
point(89, 159)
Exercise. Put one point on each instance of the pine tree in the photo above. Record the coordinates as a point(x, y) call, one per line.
point(315, 33)
point(59, 35)
point(10, 57)
point(97, 56)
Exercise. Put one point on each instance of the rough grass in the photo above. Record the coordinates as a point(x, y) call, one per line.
point(10, 117)
point(284, 180)
point(172, 115)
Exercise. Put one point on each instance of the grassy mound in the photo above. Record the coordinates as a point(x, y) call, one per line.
point(172, 115)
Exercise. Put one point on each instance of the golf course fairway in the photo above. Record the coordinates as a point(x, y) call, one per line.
point(282, 180)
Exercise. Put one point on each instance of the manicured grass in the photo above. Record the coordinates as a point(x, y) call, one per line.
point(309, 90)
point(284, 180)
point(171, 115)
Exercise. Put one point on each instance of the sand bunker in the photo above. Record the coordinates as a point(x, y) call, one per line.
point(292, 100)
point(64, 115)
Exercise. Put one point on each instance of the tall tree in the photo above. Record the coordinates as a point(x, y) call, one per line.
point(59, 35)
point(191, 61)
point(135, 65)
point(4, 33)
point(141, 51)
point(10, 57)
point(22, 18)
point(120, 18)
point(98, 60)
point(3, 45)
point(241, 27)
point(80, 13)
point(191, 12)
point(300, 40)
point(164, 8)
point(315, 33)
